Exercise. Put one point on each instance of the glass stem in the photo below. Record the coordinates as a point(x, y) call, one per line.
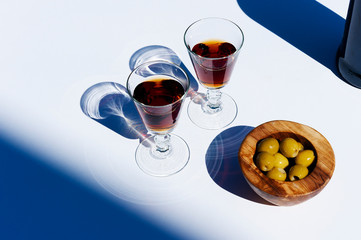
point(162, 145)
point(213, 103)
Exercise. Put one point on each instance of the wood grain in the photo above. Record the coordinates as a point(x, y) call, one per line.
point(287, 193)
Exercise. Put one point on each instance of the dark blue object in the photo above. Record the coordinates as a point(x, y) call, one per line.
point(349, 55)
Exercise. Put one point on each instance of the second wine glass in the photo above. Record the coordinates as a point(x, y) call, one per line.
point(158, 89)
point(213, 45)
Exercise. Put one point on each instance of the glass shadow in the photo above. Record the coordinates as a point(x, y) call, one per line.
point(223, 165)
point(109, 104)
point(159, 52)
point(307, 25)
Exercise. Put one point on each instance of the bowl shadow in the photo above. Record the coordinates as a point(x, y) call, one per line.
point(223, 165)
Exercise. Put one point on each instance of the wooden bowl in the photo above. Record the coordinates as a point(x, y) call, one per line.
point(287, 193)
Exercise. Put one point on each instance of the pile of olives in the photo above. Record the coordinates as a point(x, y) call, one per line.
point(283, 160)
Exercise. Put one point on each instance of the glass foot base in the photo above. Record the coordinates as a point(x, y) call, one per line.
point(162, 164)
point(212, 120)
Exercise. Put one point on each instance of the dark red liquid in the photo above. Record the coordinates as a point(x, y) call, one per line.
point(159, 96)
point(215, 68)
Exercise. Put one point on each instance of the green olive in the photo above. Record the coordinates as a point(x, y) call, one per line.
point(269, 144)
point(305, 158)
point(280, 161)
point(297, 172)
point(277, 174)
point(300, 147)
point(265, 161)
point(289, 147)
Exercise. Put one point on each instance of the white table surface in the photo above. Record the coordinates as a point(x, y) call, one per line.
point(51, 52)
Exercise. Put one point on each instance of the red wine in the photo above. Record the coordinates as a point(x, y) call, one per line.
point(214, 67)
point(161, 106)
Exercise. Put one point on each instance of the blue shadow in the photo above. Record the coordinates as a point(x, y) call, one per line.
point(307, 25)
point(109, 104)
point(223, 165)
point(39, 202)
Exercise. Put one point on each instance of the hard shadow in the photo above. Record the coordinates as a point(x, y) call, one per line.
point(40, 202)
point(223, 165)
point(109, 104)
point(307, 25)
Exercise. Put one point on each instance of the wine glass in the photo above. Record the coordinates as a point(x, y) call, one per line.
point(158, 89)
point(213, 45)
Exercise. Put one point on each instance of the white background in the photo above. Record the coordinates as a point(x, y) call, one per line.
point(51, 52)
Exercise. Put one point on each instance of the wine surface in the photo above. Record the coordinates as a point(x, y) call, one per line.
point(158, 92)
point(214, 49)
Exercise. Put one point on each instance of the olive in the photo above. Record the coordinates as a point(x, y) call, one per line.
point(300, 147)
point(277, 174)
point(269, 144)
point(305, 158)
point(280, 161)
point(265, 161)
point(298, 172)
point(289, 147)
